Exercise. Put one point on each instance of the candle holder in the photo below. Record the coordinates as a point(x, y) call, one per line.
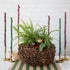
point(11, 60)
point(5, 58)
point(65, 58)
point(60, 60)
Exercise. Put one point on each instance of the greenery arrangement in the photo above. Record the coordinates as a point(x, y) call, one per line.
point(34, 36)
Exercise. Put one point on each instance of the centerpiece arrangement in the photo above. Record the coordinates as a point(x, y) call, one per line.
point(35, 46)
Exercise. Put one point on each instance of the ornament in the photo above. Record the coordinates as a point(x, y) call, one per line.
point(33, 43)
point(39, 40)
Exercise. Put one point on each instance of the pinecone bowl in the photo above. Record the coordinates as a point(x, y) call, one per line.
point(36, 47)
point(31, 55)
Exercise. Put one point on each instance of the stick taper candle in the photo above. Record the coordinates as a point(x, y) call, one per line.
point(11, 37)
point(60, 60)
point(5, 34)
point(48, 24)
point(18, 22)
point(65, 58)
point(59, 35)
point(5, 59)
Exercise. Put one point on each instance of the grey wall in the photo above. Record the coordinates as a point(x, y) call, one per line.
point(38, 11)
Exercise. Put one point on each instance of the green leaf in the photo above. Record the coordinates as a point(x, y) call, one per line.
point(20, 35)
point(32, 28)
point(42, 45)
point(47, 40)
point(23, 28)
point(23, 23)
point(16, 29)
point(53, 31)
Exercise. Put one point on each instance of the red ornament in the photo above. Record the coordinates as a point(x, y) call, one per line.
point(37, 45)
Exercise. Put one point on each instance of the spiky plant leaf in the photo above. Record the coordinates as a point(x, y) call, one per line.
point(31, 25)
point(42, 45)
point(23, 23)
point(16, 29)
point(53, 31)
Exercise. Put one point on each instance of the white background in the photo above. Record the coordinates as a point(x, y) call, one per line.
point(38, 11)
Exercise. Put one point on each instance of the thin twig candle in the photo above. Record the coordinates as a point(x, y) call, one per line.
point(65, 38)
point(65, 31)
point(60, 60)
point(18, 22)
point(5, 34)
point(48, 24)
point(11, 37)
point(59, 36)
point(5, 59)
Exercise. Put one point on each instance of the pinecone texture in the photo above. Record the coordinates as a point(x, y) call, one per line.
point(31, 55)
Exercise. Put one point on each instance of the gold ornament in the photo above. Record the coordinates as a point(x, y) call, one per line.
point(39, 40)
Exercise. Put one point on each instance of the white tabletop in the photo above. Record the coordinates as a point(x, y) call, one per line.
point(65, 65)
point(4, 65)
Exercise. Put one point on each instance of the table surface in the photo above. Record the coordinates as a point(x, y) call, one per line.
point(4, 65)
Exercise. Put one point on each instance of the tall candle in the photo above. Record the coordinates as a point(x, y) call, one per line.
point(5, 33)
point(11, 34)
point(65, 31)
point(48, 24)
point(18, 22)
point(59, 35)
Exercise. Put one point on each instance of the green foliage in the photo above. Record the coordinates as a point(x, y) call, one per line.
point(45, 37)
point(29, 34)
